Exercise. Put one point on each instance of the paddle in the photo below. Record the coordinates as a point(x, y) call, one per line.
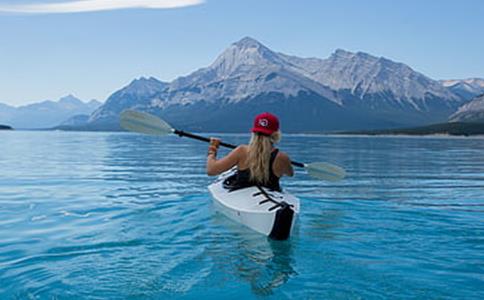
point(149, 124)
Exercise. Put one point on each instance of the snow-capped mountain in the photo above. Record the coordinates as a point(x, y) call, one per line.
point(345, 91)
point(45, 114)
point(364, 76)
point(380, 87)
point(244, 70)
point(466, 88)
point(470, 112)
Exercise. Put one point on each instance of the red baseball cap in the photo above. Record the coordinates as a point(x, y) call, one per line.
point(266, 123)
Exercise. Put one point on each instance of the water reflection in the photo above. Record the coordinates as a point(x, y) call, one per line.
point(274, 270)
point(263, 263)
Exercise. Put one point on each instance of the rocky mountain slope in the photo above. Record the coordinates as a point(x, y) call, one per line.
point(470, 112)
point(137, 94)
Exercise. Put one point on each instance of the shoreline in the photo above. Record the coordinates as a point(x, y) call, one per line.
point(336, 135)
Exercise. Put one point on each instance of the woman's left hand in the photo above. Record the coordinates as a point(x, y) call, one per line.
point(213, 147)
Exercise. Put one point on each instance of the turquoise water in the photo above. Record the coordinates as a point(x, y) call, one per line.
point(125, 216)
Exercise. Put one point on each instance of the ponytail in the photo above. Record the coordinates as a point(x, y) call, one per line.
point(260, 149)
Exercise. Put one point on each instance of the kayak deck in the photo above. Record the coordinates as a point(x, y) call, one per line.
point(268, 212)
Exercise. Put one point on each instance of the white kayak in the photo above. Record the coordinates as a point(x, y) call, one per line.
point(268, 212)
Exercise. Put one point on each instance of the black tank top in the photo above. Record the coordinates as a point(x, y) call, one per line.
point(242, 178)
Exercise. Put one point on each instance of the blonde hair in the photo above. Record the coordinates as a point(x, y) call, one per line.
point(258, 159)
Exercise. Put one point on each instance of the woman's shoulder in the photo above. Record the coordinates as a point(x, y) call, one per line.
point(243, 147)
point(283, 156)
point(240, 150)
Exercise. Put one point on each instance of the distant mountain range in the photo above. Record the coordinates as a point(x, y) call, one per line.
point(45, 114)
point(346, 91)
point(466, 88)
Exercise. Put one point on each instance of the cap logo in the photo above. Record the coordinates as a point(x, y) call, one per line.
point(263, 122)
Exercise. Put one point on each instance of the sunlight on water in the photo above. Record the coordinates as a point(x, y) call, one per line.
point(117, 215)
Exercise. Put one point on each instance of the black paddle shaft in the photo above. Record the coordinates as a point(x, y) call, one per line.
point(182, 133)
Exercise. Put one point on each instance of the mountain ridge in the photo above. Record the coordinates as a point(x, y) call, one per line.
point(466, 88)
point(353, 89)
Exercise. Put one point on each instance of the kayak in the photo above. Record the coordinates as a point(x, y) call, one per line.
point(268, 212)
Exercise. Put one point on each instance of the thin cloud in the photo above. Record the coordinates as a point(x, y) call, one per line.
point(81, 6)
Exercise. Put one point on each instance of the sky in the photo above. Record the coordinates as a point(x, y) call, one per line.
point(91, 48)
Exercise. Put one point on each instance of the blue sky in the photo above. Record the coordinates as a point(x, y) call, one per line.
point(91, 54)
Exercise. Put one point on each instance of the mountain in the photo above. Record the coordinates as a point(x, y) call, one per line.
point(466, 88)
point(378, 87)
point(470, 112)
point(137, 94)
point(345, 91)
point(77, 120)
point(245, 79)
point(366, 76)
point(45, 114)
point(244, 70)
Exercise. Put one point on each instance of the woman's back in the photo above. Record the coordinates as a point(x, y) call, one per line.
point(279, 165)
point(243, 177)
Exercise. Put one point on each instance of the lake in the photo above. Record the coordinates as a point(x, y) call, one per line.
point(127, 216)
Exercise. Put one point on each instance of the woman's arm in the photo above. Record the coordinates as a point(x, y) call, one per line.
point(282, 165)
point(289, 169)
point(214, 166)
point(286, 165)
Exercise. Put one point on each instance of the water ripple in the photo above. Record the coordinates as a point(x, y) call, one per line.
point(124, 216)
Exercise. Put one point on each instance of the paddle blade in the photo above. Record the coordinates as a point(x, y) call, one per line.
point(325, 171)
point(141, 122)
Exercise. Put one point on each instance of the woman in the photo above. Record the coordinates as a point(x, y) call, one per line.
point(258, 163)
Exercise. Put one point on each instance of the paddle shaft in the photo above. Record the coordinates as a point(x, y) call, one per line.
point(204, 139)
